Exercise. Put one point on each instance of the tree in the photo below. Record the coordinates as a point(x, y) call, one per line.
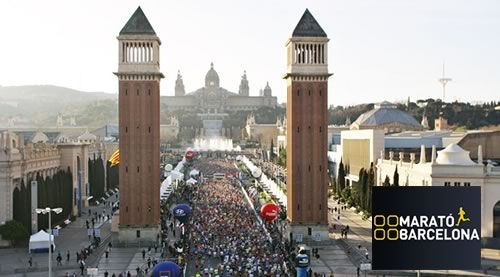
point(357, 188)
point(334, 186)
point(364, 191)
point(387, 181)
point(341, 177)
point(346, 195)
point(396, 177)
point(371, 184)
point(13, 231)
point(272, 156)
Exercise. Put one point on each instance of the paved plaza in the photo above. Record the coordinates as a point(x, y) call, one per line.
point(73, 238)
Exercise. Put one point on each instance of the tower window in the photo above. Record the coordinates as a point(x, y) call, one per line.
point(137, 169)
point(137, 92)
point(320, 129)
point(298, 92)
point(309, 168)
point(298, 129)
point(126, 92)
point(309, 93)
point(126, 169)
point(320, 93)
point(320, 206)
point(298, 207)
point(126, 209)
point(150, 129)
point(149, 92)
point(320, 168)
point(126, 129)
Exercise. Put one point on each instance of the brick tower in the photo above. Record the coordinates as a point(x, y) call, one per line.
point(307, 127)
point(139, 122)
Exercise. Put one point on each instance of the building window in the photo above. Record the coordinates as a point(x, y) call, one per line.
point(446, 184)
point(466, 184)
point(456, 184)
point(138, 234)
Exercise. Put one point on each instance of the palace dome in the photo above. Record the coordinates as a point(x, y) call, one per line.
point(212, 78)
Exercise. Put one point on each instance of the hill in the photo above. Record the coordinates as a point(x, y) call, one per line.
point(39, 105)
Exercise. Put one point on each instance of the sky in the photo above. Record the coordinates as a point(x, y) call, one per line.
point(378, 50)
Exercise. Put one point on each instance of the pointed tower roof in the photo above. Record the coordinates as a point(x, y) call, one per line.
point(308, 27)
point(138, 24)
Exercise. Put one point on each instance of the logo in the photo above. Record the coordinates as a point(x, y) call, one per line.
point(426, 228)
point(180, 212)
point(423, 227)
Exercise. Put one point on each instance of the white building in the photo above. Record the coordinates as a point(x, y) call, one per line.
point(451, 167)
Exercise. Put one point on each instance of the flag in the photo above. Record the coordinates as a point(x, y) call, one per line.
point(115, 158)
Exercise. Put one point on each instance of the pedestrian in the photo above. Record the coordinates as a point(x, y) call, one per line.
point(30, 261)
point(82, 267)
point(143, 254)
point(106, 273)
point(106, 253)
point(59, 258)
point(357, 271)
point(67, 256)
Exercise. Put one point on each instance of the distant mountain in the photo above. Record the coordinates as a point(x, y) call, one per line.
point(39, 105)
point(31, 100)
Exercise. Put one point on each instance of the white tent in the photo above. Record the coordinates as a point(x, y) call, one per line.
point(39, 242)
point(191, 181)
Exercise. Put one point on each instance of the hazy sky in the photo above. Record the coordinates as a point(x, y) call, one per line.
point(378, 50)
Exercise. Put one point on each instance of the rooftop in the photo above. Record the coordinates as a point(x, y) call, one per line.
point(138, 24)
point(308, 27)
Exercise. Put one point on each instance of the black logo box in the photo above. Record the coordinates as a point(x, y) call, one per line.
point(430, 201)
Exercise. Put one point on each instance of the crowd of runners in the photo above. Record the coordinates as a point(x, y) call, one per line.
point(224, 236)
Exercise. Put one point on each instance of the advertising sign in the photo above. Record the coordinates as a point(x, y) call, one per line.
point(426, 228)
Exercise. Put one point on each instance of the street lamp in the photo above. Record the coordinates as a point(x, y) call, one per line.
point(44, 211)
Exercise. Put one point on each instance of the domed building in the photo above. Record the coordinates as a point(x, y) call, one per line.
point(388, 117)
point(213, 99)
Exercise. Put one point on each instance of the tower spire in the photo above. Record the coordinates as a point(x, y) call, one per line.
point(444, 80)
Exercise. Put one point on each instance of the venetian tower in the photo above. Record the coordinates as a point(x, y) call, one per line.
point(139, 127)
point(307, 124)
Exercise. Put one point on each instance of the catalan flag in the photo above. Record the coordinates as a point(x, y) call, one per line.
point(115, 158)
